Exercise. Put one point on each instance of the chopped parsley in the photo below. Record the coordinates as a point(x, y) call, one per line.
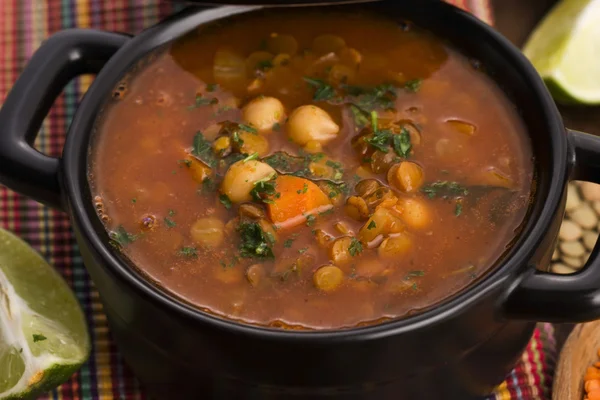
point(310, 220)
point(276, 127)
point(288, 243)
point(380, 140)
point(171, 212)
point(134, 200)
point(189, 252)
point(458, 209)
point(254, 241)
point(235, 136)
point(253, 156)
point(413, 85)
point(265, 188)
point(361, 118)
point(38, 337)
point(372, 225)
point(224, 199)
point(323, 91)
point(303, 250)
point(121, 237)
point(202, 149)
point(170, 223)
point(247, 128)
point(211, 87)
point(187, 163)
point(303, 190)
point(208, 185)
point(401, 143)
point(202, 101)
point(369, 99)
point(415, 274)
point(355, 247)
point(444, 189)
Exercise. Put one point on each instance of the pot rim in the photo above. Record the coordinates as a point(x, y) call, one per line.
point(76, 152)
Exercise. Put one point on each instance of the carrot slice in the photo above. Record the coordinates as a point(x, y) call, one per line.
point(296, 199)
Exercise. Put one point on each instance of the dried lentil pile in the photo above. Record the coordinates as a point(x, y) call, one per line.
point(579, 230)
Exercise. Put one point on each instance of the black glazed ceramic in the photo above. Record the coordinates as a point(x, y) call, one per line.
point(459, 350)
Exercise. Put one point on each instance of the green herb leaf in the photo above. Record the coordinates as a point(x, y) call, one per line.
point(288, 243)
point(187, 163)
point(310, 220)
point(401, 143)
point(134, 200)
point(224, 199)
point(413, 85)
point(323, 91)
point(253, 156)
point(264, 188)
point(360, 117)
point(121, 237)
point(303, 250)
point(380, 140)
point(235, 136)
point(170, 223)
point(189, 252)
point(208, 186)
point(202, 150)
point(38, 337)
point(458, 209)
point(444, 189)
point(369, 99)
point(374, 124)
point(202, 101)
point(372, 225)
point(276, 127)
point(415, 274)
point(355, 247)
point(247, 128)
point(211, 87)
point(171, 212)
point(303, 190)
point(254, 241)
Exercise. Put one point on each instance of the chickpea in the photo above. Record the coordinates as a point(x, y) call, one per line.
point(395, 246)
point(255, 273)
point(208, 232)
point(382, 222)
point(198, 170)
point(229, 68)
point(228, 275)
point(339, 74)
point(313, 147)
point(253, 143)
point(263, 112)
point(415, 213)
point(240, 178)
point(339, 252)
point(311, 123)
point(328, 278)
point(277, 44)
point(406, 176)
point(222, 146)
point(356, 208)
point(328, 44)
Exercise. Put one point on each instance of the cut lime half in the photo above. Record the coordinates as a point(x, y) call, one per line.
point(565, 50)
point(43, 335)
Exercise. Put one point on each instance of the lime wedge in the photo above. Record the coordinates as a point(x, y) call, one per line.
point(43, 335)
point(565, 50)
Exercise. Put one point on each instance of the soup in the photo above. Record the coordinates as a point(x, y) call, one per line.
point(311, 171)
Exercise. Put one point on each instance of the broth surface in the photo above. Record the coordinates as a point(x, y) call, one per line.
point(405, 178)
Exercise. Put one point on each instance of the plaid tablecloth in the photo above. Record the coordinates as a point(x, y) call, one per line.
point(24, 24)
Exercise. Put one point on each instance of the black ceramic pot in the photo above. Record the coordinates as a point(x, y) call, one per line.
point(459, 350)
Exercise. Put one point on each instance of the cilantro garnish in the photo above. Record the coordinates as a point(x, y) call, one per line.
point(121, 237)
point(323, 91)
point(444, 189)
point(189, 252)
point(355, 247)
point(224, 199)
point(203, 150)
point(254, 241)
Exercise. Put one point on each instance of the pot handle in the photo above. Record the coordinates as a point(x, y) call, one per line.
point(541, 296)
point(64, 56)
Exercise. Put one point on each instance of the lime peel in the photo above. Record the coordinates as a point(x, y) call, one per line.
point(43, 337)
point(565, 50)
